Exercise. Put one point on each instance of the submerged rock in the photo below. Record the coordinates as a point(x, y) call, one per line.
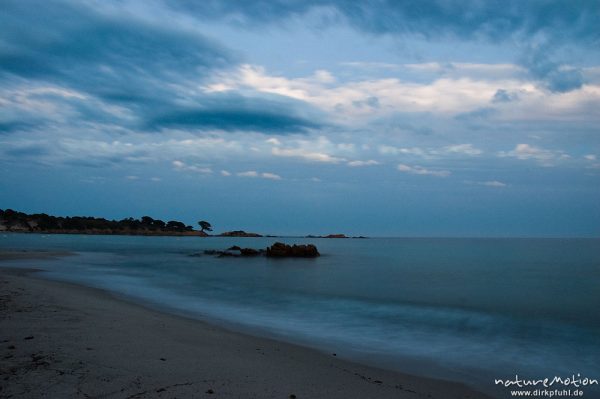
point(249, 252)
point(220, 254)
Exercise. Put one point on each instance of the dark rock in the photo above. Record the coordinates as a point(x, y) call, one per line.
point(281, 250)
point(224, 254)
point(221, 254)
point(249, 252)
point(276, 250)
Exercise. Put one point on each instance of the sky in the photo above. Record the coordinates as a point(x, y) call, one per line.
point(380, 118)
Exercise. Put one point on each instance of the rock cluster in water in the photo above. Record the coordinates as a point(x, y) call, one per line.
point(277, 250)
point(281, 250)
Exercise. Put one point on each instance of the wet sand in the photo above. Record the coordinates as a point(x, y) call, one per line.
point(59, 340)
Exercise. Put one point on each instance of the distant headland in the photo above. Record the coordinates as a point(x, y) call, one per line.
point(20, 222)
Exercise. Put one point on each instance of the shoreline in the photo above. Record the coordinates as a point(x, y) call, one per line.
point(88, 341)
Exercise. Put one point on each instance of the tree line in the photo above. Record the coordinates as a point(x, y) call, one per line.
point(20, 221)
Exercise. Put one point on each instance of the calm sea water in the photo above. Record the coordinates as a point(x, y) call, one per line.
point(463, 309)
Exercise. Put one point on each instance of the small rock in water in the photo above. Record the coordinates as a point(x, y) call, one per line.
point(210, 392)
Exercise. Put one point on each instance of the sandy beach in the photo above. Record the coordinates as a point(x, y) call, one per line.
point(60, 340)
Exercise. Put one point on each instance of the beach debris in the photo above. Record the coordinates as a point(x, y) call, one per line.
point(28, 338)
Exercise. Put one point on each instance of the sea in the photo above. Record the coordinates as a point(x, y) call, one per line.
point(464, 309)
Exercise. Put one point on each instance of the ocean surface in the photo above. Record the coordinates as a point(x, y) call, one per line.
point(462, 309)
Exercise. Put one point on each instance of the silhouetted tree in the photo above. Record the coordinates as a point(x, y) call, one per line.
point(204, 225)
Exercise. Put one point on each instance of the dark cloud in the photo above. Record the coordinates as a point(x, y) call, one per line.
point(232, 119)
point(234, 112)
point(116, 59)
point(496, 20)
point(99, 53)
point(489, 20)
point(27, 151)
point(14, 126)
point(555, 23)
point(539, 60)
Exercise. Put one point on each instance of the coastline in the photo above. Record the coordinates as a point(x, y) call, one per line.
point(87, 341)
